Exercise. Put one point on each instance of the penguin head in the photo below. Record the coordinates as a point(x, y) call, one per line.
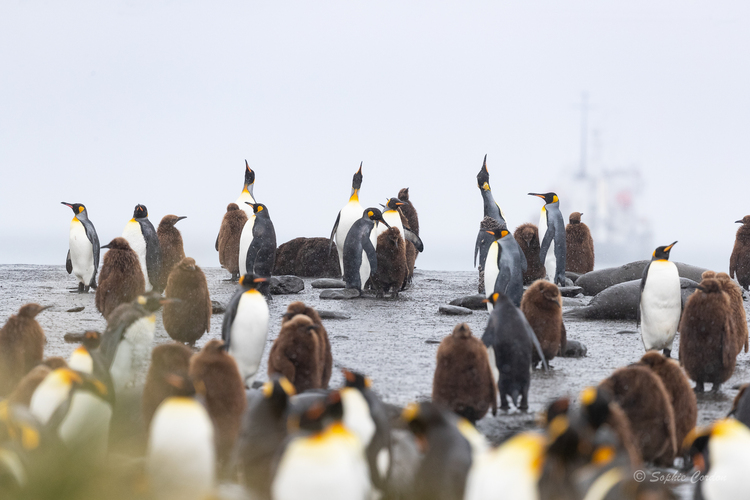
point(187, 264)
point(91, 339)
point(31, 310)
point(403, 195)
point(483, 177)
point(182, 385)
point(375, 214)
point(118, 243)
point(259, 209)
point(499, 233)
point(695, 445)
point(356, 380)
point(318, 415)
point(744, 220)
point(78, 209)
point(249, 178)
point(170, 220)
point(495, 298)
point(393, 204)
point(575, 218)
point(547, 197)
point(595, 405)
point(81, 360)
point(152, 301)
point(662, 253)
point(140, 212)
point(653, 359)
point(251, 281)
point(357, 179)
point(461, 331)
point(420, 417)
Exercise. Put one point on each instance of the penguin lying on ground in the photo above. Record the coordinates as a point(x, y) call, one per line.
point(21, 346)
point(170, 243)
point(121, 279)
point(347, 217)
point(141, 236)
point(552, 230)
point(83, 256)
point(228, 240)
point(660, 302)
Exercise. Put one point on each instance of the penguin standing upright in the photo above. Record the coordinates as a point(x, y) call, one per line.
point(725, 455)
point(392, 215)
point(21, 346)
point(552, 228)
point(141, 236)
point(491, 207)
point(326, 359)
point(579, 246)
point(121, 279)
point(83, 256)
point(170, 242)
point(391, 268)
point(527, 236)
point(409, 219)
point(245, 327)
point(228, 240)
point(347, 217)
point(660, 302)
point(166, 360)
point(261, 254)
point(484, 241)
point(504, 267)
point(542, 307)
point(739, 261)
point(297, 354)
point(186, 319)
point(358, 253)
point(246, 199)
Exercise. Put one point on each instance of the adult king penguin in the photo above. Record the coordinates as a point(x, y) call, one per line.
point(246, 198)
point(141, 235)
point(552, 227)
point(392, 215)
point(347, 217)
point(83, 256)
point(358, 254)
point(245, 327)
point(491, 210)
point(261, 253)
point(660, 302)
point(504, 267)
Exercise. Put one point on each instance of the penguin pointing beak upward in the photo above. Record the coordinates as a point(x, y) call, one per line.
point(667, 249)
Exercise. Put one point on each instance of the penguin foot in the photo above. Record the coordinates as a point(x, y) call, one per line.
point(698, 387)
point(715, 388)
point(667, 353)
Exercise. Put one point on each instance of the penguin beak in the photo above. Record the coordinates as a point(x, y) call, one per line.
point(538, 195)
point(44, 308)
point(384, 222)
point(180, 218)
point(259, 280)
point(736, 222)
point(105, 246)
point(71, 206)
point(670, 247)
point(360, 168)
point(490, 232)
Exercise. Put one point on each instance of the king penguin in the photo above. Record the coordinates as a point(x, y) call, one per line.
point(491, 207)
point(504, 267)
point(552, 227)
point(392, 216)
point(83, 256)
point(247, 192)
point(358, 253)
point(141, 235)
point(660, 302)
point(261, 254)
point(245, 327)
point(347, 217)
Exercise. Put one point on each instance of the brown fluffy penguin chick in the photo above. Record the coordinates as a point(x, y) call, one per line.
point(21, 346)
point(739, 261)
point(295, 354)
point(228, 241)
point(326, 359)
point(708, 348)
point(527, 236)
point(167, 361)
point(542, 306)
point(579, 244)
point(391, 270)
point(644, 399)
point(463, 379)
point(187, 319)
point(216, 371)
point(172, 251)
point(121, 279)
point(681, 395)
point(734, 293)
point(410, 219)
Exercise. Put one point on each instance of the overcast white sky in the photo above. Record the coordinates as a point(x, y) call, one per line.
point(116, 103)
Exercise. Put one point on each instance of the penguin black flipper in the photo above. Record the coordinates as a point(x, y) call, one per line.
point(333, 233)
point(482, 246)
point(524, 262)
point(264, 236)
point(153, 251)
point(371, 253)
point(229, 314)
point(118, 323)
point(638, 306)
point(544, 248)
point(68, 264)
point(216, 245)
point(96, 247)
point(411, 236)
point(535, 341)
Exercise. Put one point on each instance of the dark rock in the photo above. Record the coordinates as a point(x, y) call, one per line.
point(455, 310)
point(326, 314)
point(570, 291)
point(471, 302)
point(285, 285)
point(76, 309)
point(346, 293)
point(341, 337)
point(328, 283)
point(307, 257)
point(574, 349)
point(286, 256)
point(432, 341)
point(217, 308)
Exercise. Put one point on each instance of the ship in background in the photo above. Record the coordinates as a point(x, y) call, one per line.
point(610, 198)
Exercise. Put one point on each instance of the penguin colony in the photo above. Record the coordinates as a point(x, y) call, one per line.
point(203, 418)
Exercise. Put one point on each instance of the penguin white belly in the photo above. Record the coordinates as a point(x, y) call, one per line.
point(491, 271)
point(81, 253)
point(248, 209)
point(364, 270)
point(357, 416)
point(327, 467)
point(133, 353)
point(661, 305)
point(350, 214)
point(246, 238)
point(87, 424)
point(48, 396)
point(393, 219)
point(181, 458)
point(248, 334)
point(137, 242)
point(550, 261)
point(493, 364)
